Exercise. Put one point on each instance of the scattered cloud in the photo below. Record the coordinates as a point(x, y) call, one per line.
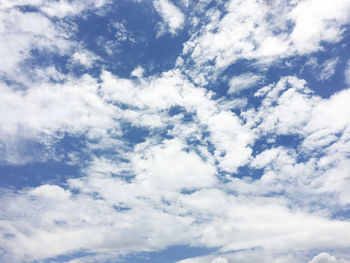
point(168, 158)
point(322, 71)
point(84, 58)
point(328, 68)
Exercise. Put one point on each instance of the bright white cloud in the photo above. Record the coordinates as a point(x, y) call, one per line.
point(22, 32)
point(43, 112)
point(172, 16)
point(324, 258)
point(220, 260)
point(158, 168)
point(262, 32)
point(317, 21)
point(137, 72)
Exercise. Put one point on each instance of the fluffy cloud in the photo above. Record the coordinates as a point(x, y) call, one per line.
point(317, 21)
point(263, 33)
point(172, 16)
point(324, 258)
point(22, 32)
point(49, 110)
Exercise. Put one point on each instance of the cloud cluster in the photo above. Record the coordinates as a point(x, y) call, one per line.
point(268, 33)
point(260, 179)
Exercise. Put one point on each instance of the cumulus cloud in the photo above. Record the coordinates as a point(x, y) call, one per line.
point(201, 170)
point(172, 16)
point(317, 21)
point(137, 72)
point(22, 32)
point(51, 109)
point(323, 258)
point(252, 30)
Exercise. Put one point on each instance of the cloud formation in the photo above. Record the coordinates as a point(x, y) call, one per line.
point(167, 156)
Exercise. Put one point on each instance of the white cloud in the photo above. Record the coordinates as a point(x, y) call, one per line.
point(180, 189)
point(122, 34)
point(220, 260)
point(158, 167)
point(172, 15)
point(317, 21)
point(22, 32)
point(40, 114)
point(323, 258)
point(64, 8)
point(85, 58)
point(263, 33)
point(322, 71)
point(259, 255)
point(347, 73)
point(93, 218)
point(328, 68)
point(242, 82)
point(160, 215)
point(137, 72)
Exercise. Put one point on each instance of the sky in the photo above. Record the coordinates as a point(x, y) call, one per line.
point(175, 131)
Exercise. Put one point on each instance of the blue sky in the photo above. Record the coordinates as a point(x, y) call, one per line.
point(175, 131)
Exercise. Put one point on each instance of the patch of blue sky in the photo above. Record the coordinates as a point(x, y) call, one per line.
point(36, 174)
point(341, 212)
point(138, 44)
point(66, 258)
point(285, 140)
point(336, 81)
point(50, 170)
point(169, 255)
point(43, 58)
point(133, 134)
point(248, 171)
point(27, 8)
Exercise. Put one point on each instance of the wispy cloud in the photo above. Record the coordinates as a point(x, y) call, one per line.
point(242, 82)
